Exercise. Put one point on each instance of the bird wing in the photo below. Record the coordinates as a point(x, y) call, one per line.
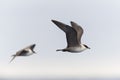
point(30, 47)
point(71, 34)
point(78, 29)
point(22, 52)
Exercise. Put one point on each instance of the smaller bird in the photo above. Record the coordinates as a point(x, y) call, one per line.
point(73, 37)
point(24, 52)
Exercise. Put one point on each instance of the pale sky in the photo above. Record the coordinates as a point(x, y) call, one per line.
point(24, 22)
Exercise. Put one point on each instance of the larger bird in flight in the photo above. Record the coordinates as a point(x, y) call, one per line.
point(24, 52)
point(73, 36)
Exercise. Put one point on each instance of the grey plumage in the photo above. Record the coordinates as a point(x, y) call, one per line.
point(73, 36)
point(78, 29)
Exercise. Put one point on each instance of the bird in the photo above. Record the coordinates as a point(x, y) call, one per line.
point(27, 51)
point(73, 37)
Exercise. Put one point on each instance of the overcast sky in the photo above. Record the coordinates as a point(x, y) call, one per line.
point(24, 22)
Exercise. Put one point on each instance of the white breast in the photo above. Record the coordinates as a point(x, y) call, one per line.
point(77, 49)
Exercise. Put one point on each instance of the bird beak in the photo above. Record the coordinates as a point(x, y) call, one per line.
point(88, 47)
point(34, 52)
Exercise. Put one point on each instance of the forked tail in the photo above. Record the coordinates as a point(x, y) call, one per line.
point(12, 58)
point(59, 50)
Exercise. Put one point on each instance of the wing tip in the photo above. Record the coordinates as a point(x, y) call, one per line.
point(34, 44)
point(54, 21)
point(72, 22)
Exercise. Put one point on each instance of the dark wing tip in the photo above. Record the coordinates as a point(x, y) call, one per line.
point(75, 24)
point(72, 22)
point(33, 45)
point(54, 21)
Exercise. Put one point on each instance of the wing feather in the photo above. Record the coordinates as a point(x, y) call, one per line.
point(71, 34)
point(78, 29)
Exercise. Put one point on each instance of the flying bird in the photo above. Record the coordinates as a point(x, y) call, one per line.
point(73, 36)
point(24, 52)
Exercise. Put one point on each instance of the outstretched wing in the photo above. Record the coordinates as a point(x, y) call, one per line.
point(71, 34)
point(78, 29)
point(31, 46)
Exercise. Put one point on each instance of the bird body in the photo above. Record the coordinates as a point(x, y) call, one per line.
point(73, 49)
point(24, 52)
point(73, 37)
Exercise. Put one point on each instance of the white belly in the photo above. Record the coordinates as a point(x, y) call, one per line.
point(76, 49)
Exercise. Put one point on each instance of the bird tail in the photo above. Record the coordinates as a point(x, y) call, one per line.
point(59, 50)
point(12, 58)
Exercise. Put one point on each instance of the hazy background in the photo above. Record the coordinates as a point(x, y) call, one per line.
point(24, 22)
